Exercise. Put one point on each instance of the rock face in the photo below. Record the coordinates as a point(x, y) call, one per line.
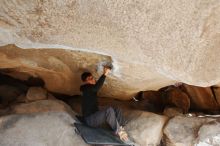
point(150, 43)
point(51, 129)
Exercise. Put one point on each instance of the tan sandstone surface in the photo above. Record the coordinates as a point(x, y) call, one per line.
point(150, 43)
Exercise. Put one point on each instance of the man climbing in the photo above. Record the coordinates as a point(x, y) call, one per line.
point(91, 113)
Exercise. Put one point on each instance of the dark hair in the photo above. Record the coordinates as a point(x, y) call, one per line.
point(85, 75)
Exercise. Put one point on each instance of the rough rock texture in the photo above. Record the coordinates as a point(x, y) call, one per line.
point(42, 129)
point(188, 131)
point(36, 93)
point(151, 43)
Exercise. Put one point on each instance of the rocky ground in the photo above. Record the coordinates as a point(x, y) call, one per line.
point(38, 118)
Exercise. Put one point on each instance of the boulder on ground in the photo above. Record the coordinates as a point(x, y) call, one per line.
point(146, 128)
point(39, 129)
point(183, 131)
point(209, 134)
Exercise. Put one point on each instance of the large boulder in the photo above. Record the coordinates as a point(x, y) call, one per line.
point(188, 131)
point(42, 122)
point(150, 43)
point(145, 128)
point(209, 134)
point(39, 129)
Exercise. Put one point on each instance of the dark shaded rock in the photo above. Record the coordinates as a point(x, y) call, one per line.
point(35, 81)
point(156, 101)
point(8, 94)
point(201, 98)
point(216, 91)
point(7, 80)
point(10, 88)
point(177, 98)
point(151, 101)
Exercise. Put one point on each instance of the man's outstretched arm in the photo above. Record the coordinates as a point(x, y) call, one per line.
point(101, 80)
point(99, 83)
